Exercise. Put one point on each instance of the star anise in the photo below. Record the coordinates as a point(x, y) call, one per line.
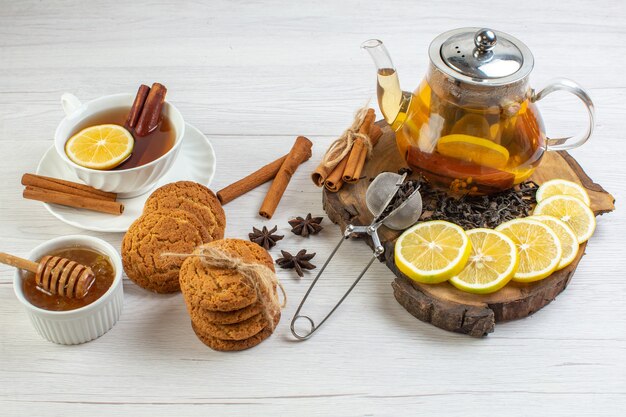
point(298, 261)
point(265, 238)
point(307, 226)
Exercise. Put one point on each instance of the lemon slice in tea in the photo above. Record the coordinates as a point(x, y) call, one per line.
point(432, 252)
point(539, 248)
point(572, 211)
point(562, 187)
point(569, 242)
point(473, 149)
point(491, 264)
point(100, 147)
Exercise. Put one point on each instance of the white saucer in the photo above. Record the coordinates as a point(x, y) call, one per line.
point(195, 162)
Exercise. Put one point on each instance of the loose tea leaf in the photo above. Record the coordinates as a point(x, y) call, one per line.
point(298, 261)
point(467, 211)
point(404, 192)
point(471, 212)
point(405, 170)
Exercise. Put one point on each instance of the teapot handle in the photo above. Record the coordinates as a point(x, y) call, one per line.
point(570, 142)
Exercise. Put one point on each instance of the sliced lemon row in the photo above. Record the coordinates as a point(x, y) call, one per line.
point(562, 187)
point(491, 265)
point(432, 252)
point(569, 242)
point(100, 147)
point(538, 247)
point(572, 211)
point(482, 261)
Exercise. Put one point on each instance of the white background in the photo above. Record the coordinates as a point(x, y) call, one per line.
point(252, 75)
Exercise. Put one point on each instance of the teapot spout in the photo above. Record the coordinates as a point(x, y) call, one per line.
point(392, 101)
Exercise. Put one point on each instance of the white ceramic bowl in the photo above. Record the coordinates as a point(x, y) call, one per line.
point(83, 324)
point(127, 182)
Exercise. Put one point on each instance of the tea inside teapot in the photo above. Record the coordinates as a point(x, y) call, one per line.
point(471, 149)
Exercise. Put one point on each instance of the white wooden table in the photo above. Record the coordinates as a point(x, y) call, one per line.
point(252, 75)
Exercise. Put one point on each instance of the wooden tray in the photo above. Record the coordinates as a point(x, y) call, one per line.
point(442, 304)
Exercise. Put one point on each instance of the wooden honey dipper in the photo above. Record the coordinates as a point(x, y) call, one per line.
point(55, 275)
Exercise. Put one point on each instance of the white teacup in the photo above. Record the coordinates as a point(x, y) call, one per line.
point(125, 182)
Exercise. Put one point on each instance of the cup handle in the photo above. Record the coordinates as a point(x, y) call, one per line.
point(569, 142)
point(70, 103)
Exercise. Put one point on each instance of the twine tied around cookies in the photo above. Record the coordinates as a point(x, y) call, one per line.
point(261, 278)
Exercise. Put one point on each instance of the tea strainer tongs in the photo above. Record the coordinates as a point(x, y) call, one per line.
point(378, 197)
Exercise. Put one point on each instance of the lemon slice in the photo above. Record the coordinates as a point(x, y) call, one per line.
point(569, 242)
point(494, 131)
point(100, 147)
point(491, 264)
point(432, 252)
point(562, 187)
point(572, 211)
point(522, 174)
point(473, 149)
point(538, 247)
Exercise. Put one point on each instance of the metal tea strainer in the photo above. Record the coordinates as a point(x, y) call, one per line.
point(379, 195)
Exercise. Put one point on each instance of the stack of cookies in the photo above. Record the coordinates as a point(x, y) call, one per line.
point(177, 218)
point(228, 312)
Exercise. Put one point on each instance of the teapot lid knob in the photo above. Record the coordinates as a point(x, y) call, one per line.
point(485, 39)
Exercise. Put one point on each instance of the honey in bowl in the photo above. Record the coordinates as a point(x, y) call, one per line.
point(146, 148)
point(99, 263)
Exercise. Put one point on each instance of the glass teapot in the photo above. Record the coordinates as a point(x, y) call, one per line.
point(472, 124)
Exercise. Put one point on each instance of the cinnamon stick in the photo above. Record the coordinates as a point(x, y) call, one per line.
point(321, 174)
point(374, 135)
point(135, 110)
point(323, 171)
point(246, 184)
point(151, 111)
point(71, 200)
point(355, 156)
point(334, 182)
point(67, 187)
point(300, 152)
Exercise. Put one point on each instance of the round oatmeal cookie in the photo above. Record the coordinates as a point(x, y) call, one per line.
point(226, 317)
point(231, 345)
point(148, 237)
point(191, 218)
point(237, 331)
point(193, 198)
point(221, 289)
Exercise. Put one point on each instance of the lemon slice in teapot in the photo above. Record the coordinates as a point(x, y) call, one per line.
point(474, 149)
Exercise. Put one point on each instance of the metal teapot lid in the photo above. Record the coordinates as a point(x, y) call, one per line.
point(481, 56)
